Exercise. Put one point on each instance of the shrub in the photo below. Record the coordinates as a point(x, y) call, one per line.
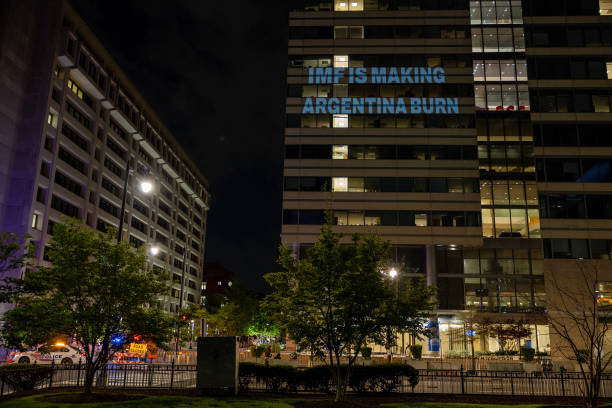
point(382, 378)
point(527, 353)
point(366, 352)
point(24, 377)
point(287, 379)
point(416, 351)
point(258, 351)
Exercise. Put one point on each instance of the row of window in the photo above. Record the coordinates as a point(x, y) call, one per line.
point(500, 70)
point(502, 97)
point(75, 137)
point(576, 206)
point(375, 91)
point(561, 7)
point(504, 158)
point(378, 32)
point(569, 36)
point(68, 183)
point(574, 170)
point(498, 39)
point(570, 68)
point(380, 152)
point(577, 248)
point(508, 192)
point(343, 5)
point(572, 134)
point(383, 184)
point(381, 121)
point(511, 222)
point(81, 118)
point(384, 60)
point(76, 89)
point(385, 218)
point(496, 12)
point(571, 101)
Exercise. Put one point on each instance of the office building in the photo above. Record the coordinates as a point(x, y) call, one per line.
point(76, 135)
point(486, 203)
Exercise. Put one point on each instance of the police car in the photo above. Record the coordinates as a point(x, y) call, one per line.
point(58, 353)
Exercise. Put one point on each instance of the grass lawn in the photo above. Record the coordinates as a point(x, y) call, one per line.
point(42, 401)
point(118, 399)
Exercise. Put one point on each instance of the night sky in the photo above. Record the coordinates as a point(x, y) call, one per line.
point(214, 72)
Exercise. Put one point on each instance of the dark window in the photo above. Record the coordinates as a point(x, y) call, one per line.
point(64, 207)
point(72, 160)
point(81, 118)
point(68, 183)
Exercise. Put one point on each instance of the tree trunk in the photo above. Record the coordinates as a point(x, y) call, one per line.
point(90, 373)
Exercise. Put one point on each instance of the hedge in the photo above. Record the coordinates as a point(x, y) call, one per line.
point(288, 379)
point(24, 377)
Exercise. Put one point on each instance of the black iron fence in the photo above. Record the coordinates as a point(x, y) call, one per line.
point(120, 376)
point(173, 376)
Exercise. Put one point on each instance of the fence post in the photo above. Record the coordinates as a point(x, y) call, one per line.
point(2, 389)
point(562, 369)
point(79, 373)
point(124, 375)
point(172, 375)
point(462, 381)
point(512, 381)
point(51, 378)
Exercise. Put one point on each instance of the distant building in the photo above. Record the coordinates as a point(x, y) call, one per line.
point(216, 283)
point(76, 136)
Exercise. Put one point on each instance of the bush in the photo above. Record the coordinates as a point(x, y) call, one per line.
point(258, 351)
point(527, 354)
point(382, 378)
point(366, 352)
point(288, 379)
point(24, 377)
point(416, 350)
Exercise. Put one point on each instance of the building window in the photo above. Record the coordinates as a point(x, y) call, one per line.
point(348, 5)
point(339, 184)
point(609, 70)
point(36, 221)
point(219, 283)
point(52, 119)
point(79, 92)
point(341, 121)
point(341, 61)
point(340, 152)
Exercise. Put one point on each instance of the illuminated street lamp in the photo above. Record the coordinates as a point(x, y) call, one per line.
point(154, 250)
point(393, 273)
point(146, 186)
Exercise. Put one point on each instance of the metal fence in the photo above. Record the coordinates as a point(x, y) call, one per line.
point(121, 376)
point(173, 376)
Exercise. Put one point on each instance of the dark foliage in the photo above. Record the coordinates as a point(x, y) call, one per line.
point(24, 377)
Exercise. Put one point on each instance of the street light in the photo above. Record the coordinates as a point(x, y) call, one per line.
point(392, 273)
point(146, 186)
point(154, 250)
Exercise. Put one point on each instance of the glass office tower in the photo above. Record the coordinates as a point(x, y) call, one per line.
point(475, 202)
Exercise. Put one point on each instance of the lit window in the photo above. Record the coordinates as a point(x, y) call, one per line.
point(35, 221)
point(609, 69)
point(605, 7)
point(52, 119)
point(75, 89)
point(420, 220)
point(219, 283)
point(341, 121)
point(340, 184)
point(340, 152)
point(341, 61)
point(348, 5)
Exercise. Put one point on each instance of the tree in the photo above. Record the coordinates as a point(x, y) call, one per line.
point(95, 290)
point(235, 314)
point(578, 317)
point(16, 252)
point(183, 322)
point(336, 298)
point(262, 325)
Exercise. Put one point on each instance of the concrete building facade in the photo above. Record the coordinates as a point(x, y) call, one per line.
point(477, 202)
point(75, 134)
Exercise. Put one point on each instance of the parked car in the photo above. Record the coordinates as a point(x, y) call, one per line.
point(57, 353)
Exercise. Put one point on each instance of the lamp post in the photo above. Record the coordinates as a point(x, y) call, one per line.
point(146, 187)
point(178, 328)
